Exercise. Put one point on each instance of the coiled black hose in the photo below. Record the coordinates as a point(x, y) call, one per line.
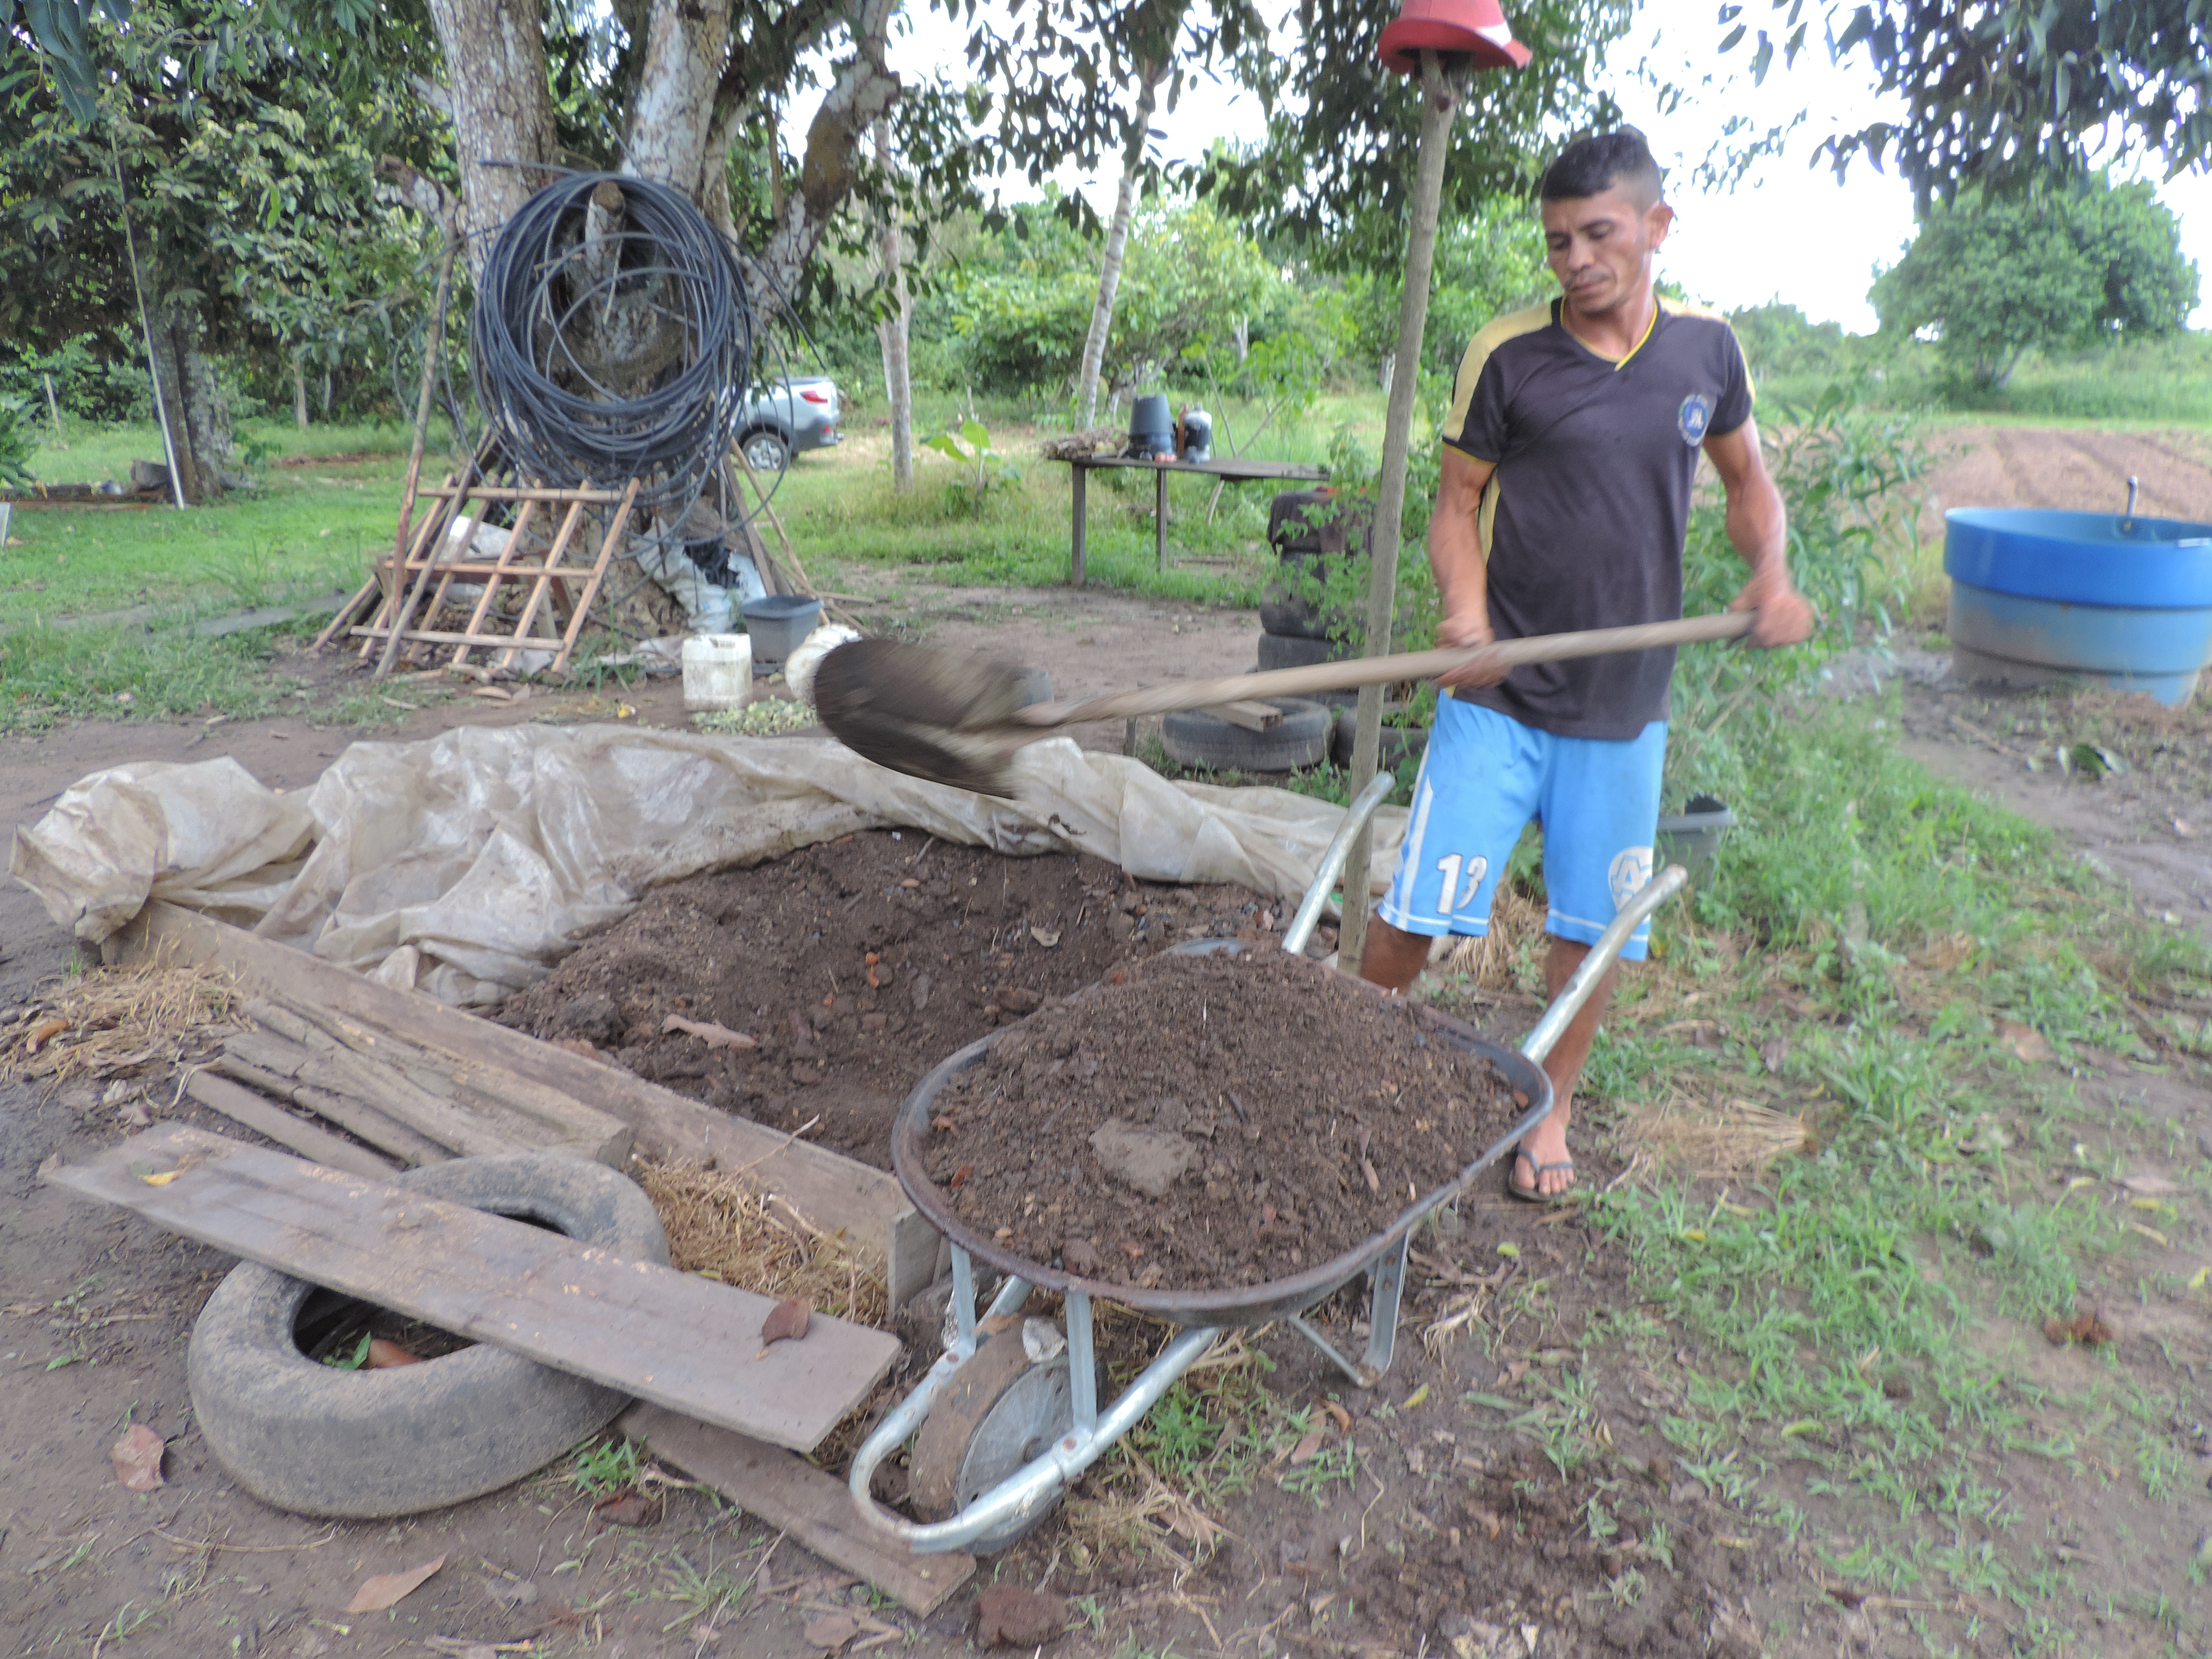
point(627, 355)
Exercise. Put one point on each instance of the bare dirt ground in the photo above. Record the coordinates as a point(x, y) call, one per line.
point(2074, 468)
point(1417, 1523)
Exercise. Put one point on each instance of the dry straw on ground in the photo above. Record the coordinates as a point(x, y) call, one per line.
point(1490, 961)
point(1714, 1137)
point(730, 1231)
point(115, 1022)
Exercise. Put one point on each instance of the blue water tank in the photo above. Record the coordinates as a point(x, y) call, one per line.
point(2036, 594)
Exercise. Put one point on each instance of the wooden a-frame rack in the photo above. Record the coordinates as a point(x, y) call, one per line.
point(415, 590)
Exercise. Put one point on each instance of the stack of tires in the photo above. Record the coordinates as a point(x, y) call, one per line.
point(1307, 529)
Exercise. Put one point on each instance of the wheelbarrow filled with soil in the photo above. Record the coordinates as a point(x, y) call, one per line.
point(1220, 1136)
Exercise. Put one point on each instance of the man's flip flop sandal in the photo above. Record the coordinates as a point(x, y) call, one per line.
point(1533, 1193)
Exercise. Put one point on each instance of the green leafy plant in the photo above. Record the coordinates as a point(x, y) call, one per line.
point(17, 441)
point(606, 1467)
point(340, 1361)
point(969, 445)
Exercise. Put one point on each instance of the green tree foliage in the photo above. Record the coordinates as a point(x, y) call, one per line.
point(1489, 262)
point(1991, 280)
point(1022, 303)
point(1779, 339)
point(1333, 174)
point(1998, 94)
point(250, 165)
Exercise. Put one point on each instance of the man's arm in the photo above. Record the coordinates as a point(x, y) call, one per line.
point(1456, 556)
point(1759, 530)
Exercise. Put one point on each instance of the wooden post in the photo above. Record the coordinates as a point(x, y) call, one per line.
point(1440, 96)
point(1160, 512)
point(53, 407)
point(431, 343)
point(1082, 521)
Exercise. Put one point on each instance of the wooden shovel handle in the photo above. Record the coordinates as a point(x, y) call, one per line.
point(1383, 670)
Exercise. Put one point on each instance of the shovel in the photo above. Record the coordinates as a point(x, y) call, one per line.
point(957, 718)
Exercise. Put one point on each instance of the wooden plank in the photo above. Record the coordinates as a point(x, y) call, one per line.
point(1235, 471)
point(790, 1494)
point(242, 1105)
point(838, 1193)
point(357, 1117)
point(1252, 716)
point(675, 1338)
point(508, 493)
point(618, 527)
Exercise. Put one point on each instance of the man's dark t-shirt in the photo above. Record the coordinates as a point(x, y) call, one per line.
point(1583, 521)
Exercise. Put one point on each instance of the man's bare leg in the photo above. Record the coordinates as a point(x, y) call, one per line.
point(1394, 959)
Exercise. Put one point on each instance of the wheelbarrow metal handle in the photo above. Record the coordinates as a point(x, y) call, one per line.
point(1546, 1032)
point(1332, 862)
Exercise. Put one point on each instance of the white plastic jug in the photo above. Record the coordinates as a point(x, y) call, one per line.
point(718, 670)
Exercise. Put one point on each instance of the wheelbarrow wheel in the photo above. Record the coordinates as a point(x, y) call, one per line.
point(1001, 1412)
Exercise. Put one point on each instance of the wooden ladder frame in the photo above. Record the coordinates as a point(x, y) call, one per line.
point(411, 583)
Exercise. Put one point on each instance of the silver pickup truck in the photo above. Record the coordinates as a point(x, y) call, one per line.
point(788, 418)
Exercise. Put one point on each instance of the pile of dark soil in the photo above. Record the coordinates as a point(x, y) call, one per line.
point(855, 966)
point(1199, 1121)
point(1517, 1547)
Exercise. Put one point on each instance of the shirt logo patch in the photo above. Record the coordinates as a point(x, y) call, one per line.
point(1696, 414)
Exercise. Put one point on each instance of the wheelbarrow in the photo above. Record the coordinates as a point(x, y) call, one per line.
point(1009, 1417)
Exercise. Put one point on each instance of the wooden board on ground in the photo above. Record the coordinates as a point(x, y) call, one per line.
point(792, 1495)
point(836, 1194)
point(672, 1338)
point(1252, 716)
point(241, 1105)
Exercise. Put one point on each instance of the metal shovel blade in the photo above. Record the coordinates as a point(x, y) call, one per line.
point(931, 715)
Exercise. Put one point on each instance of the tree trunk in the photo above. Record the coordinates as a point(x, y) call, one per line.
point(199, 418)
point(1441, 93)
point(671, 114)
point(300, 395)
point(1117, 242)
point(892, 332)
point(502, 109)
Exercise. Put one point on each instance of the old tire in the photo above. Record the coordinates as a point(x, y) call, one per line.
point(1288, 651)
point(1283, 613)
point(1201, 738)
point(316, 1440)
point(1398, 741)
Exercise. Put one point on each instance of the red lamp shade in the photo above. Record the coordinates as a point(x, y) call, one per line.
point(1477, 27)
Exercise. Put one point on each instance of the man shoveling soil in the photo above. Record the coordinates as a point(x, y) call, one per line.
point(1564, 505)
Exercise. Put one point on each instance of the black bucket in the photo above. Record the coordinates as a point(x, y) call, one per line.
point(1152, 429)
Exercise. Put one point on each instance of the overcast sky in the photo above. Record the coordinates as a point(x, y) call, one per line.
point(1787, 231)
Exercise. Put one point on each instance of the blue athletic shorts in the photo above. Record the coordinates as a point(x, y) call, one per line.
point(1484, 777)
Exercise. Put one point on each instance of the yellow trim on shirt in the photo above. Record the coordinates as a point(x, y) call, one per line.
point(1493, 335)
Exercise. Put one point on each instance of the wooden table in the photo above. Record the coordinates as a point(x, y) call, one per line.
point(1231, 470)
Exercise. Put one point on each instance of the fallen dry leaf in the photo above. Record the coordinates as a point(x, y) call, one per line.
point(383, 1355)
point(389, 1590)
point(629, 1508)
point(2030, 1044)
point(137, 1459)
point(2144, 1186)
point(2086, 1328)
point(52, 1026)
point(162, 1179)
point(1308, 1448)
point(576, 1046)
point(1343, 1417)
point(786, 1321)
point(714, 1036)
point(831, 1631)
point(1488, 1520)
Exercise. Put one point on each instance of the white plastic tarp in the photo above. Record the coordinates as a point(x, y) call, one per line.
point(465, 865)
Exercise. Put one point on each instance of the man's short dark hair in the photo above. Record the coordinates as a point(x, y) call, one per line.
point(1619, 160)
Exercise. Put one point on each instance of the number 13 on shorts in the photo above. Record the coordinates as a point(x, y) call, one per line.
point(1453, 896)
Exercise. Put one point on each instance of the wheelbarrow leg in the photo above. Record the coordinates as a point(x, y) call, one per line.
point(1387, 1279)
